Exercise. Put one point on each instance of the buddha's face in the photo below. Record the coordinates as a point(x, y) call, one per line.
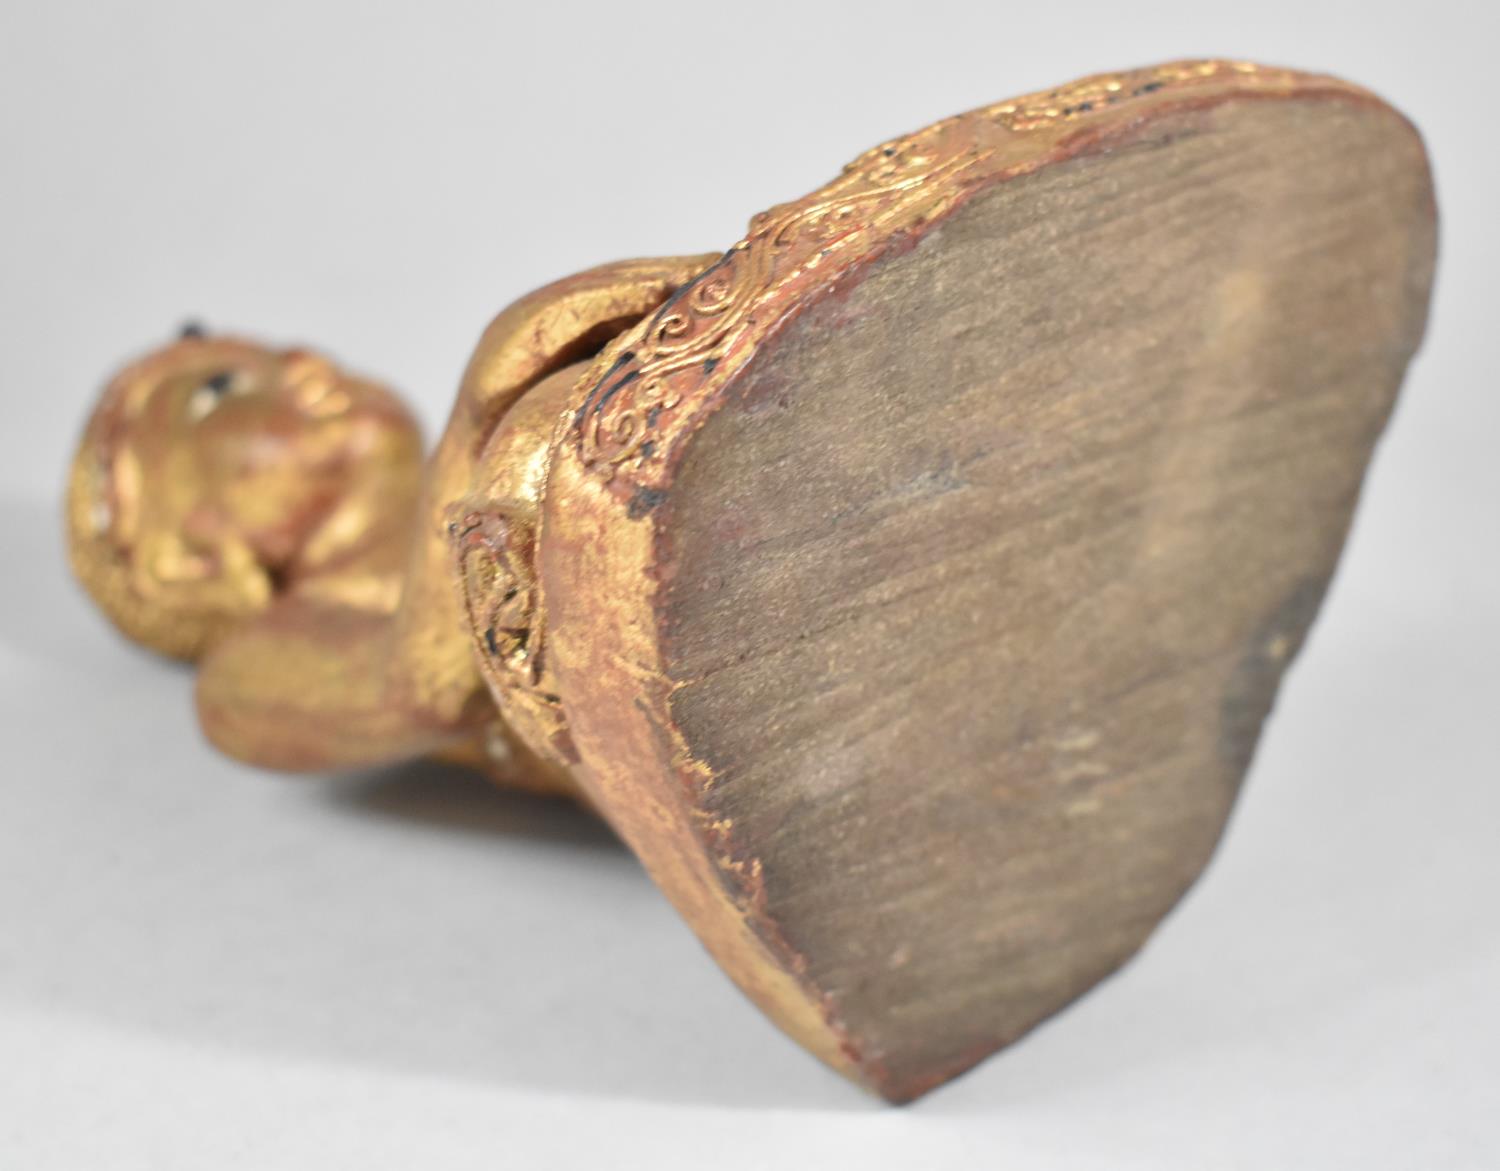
point(200, 475)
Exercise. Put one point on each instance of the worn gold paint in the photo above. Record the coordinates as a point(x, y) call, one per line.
point(603, 562)
point(270, 516)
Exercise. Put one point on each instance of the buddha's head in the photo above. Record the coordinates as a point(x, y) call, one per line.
point(201, 474)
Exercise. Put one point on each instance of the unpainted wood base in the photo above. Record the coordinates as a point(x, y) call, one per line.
point(972, 590)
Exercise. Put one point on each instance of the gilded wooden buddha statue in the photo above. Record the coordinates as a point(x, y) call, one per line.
point(907, 585)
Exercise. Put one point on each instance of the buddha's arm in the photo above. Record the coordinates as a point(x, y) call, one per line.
point(367, 658)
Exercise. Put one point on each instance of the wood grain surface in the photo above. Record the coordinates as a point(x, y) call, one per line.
point(923, 666)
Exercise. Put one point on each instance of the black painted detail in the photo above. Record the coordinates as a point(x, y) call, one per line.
point(644, 500)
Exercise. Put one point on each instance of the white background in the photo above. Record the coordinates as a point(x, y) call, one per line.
point(206, 967)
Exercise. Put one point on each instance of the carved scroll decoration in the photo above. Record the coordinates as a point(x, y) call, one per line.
point(646, 386)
